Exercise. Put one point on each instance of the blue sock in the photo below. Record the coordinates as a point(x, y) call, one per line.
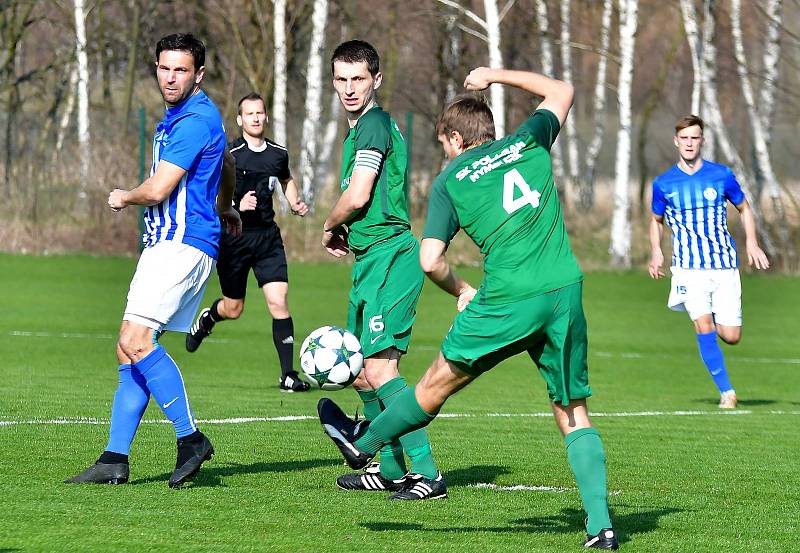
point(714, 360)
point(130, 401)
point(166, 384)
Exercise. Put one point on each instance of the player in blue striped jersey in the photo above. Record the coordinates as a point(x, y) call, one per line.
point(692, 198)
point(187, 194)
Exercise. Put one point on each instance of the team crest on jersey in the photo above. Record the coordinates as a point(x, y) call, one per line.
point(710, 194)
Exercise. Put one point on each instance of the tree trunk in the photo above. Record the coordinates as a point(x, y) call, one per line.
point(574, 165)
point(586, 195)
point(620, 248)
point(313, 107)
point(130, 75)
point(497, 92)
point(546, 48)
point(83, 95)
point(695, 47)
point(759, 141)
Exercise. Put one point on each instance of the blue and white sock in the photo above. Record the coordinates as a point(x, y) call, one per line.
point(130, 402)
point(166, 384)
point(714, 360)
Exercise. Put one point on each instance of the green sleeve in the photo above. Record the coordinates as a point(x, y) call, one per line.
point(543, 126)
point(442, 220)
point(372, 133)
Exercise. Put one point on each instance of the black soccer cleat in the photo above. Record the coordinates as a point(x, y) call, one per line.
point(291, 383)
point(191, 455)
point(418, 487)
point(198, 332)
point(343, 431)
point(370, 480)
point(102, 473)
point(605, 539)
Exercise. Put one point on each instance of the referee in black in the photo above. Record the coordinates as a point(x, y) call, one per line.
point(260, 165)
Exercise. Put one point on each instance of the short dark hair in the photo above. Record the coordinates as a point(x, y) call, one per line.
point(251, 96)
point(688, 121)
point(470, 116)
point(184, 42)
point(354, 51)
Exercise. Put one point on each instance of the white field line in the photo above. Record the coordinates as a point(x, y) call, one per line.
point(605, 354)
point(293, 418)
point(523, 488)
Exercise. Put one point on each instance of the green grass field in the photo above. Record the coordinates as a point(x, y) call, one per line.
point(683, 476)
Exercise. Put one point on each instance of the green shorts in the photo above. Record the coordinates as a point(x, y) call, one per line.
point(387, 282)
point(551, 327)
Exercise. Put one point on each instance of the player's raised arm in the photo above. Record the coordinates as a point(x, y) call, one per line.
point(557, 95)
point(755, 255)
point(152, 191)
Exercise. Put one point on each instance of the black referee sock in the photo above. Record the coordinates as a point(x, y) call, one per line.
point(213, 317)
point(283, 337)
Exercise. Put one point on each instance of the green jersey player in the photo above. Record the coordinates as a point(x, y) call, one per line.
point(371, 219)
point(501, 193)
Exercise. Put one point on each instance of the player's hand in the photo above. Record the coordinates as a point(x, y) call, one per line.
point(299, 208)
point(335, 241)
point(654, 267)
point(231, 221)
point(478, 79)
point(465, 297)
point(116, 199)
point(756, 257)
point(248, 202)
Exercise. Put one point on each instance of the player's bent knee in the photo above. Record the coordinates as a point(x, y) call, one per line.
point(233, 309)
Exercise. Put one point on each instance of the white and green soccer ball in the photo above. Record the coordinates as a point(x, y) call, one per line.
point(331, 358)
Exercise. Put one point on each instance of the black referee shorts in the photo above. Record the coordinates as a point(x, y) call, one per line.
point(258, 249)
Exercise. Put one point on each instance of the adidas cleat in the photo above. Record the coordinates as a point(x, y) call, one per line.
point(370, 480)
point(605, 539)
point(292, 383)
point(102, 473)
point(343, 431)
point(418, 487)
point(191, 455)
point(198, 332)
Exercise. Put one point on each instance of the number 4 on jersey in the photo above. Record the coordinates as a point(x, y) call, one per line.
point(511, 181)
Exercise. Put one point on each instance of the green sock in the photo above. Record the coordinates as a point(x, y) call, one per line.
point(588, 461)
point(399, 418)
point(393, 464)
point(416, 443)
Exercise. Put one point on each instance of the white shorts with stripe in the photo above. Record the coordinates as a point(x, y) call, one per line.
point(168, 285)
point(707, 291)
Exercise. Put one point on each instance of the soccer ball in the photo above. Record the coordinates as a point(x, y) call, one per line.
point(331, 358)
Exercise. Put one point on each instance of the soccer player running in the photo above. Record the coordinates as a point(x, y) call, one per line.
point(371, 219)
point(260, 165)
point(693, 197)
point(181, 237)
point(501, 193)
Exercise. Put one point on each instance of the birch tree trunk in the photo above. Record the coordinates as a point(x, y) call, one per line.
point(772, 54)
point(280, 83)
point(452, 56)
point(569, 125)
point(709, 76)
point(713, 116)
point(695, 47)
point(547, 69)
point(620, 248)
point(313, 107)
point(83, 94)
point(586, 193)
point(759, 140)
point(495, 60)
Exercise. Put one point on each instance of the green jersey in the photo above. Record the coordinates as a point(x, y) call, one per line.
point(502, 194)
point(375, 142)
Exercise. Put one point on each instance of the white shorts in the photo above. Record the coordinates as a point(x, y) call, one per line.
point(707, 291)
point(168, 285)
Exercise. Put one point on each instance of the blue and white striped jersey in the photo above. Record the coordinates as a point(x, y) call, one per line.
point(191, 136)
point(695, 208)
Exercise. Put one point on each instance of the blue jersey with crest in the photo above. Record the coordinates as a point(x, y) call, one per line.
point(192, 137)
point(695, 208)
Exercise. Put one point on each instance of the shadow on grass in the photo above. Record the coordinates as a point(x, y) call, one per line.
point(740, 403)
point(212, 475)
point(569, 522)
point(477, 474)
